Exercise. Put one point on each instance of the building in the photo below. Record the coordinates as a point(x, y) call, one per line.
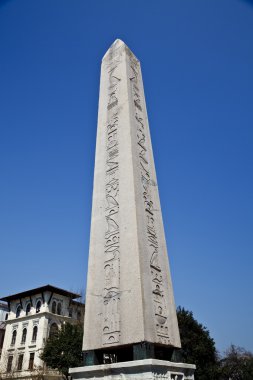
point(33, 316)
point(3, 317)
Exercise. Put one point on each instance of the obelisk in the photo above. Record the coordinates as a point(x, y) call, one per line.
point(129, 295)
point(130, 311)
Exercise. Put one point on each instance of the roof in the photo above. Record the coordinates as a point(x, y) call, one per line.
point(78, 303)
point(39, 290)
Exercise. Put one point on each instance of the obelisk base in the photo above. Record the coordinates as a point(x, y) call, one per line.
point(147, 369)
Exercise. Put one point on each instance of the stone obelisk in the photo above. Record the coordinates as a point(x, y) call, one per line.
point(130, 311)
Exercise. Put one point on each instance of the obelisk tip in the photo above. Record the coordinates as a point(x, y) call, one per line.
point(118, 43)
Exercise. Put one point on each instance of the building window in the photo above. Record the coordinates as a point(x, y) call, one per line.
point(18, 311)
point(53, 330)
point(59, 308)
point(35, 331)
point(38, 306)
point(28, 309)
point(79, 315)
point(54, 307)
point(6, 316)
point(9, 363)
point(20, 362)
point(14, 336)
point(70, 313)
point(24, 333)
point(1, 341)
point(31, 361)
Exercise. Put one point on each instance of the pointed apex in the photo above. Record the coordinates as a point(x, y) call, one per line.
point(117, 44)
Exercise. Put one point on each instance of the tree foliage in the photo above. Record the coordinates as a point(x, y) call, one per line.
point(64, 350)
point(197, 346)
point(237, 364)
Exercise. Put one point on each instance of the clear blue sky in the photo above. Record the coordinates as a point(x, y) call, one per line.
point(197, 62)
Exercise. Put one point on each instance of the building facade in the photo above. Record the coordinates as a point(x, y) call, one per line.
point(3, 317)
point(32, 317)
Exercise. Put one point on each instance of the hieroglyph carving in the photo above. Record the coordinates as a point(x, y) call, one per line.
point(160, 311)
point(111, 294)
point(168, 376)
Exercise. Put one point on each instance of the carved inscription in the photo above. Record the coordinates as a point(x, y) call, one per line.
point(111, 295)
point(160, 311)
point(168, 376)
point(113, 87)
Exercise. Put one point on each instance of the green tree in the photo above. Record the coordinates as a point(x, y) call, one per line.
point(237, 364)
point(197, 346)
point(64, 349)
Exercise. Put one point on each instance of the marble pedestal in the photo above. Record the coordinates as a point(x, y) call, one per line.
point(147, 369)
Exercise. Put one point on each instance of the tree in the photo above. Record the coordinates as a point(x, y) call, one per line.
point(197, 346)
point(237, 364)
point(64, 349)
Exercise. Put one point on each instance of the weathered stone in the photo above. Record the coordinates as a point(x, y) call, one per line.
point(129, 295)
point(149, 369)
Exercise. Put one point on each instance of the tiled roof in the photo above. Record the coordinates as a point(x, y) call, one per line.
point(40, 290)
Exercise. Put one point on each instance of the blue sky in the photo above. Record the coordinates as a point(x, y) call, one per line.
point(197, 63)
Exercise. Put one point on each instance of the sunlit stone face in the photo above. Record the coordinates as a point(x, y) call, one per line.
point(129, 292)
